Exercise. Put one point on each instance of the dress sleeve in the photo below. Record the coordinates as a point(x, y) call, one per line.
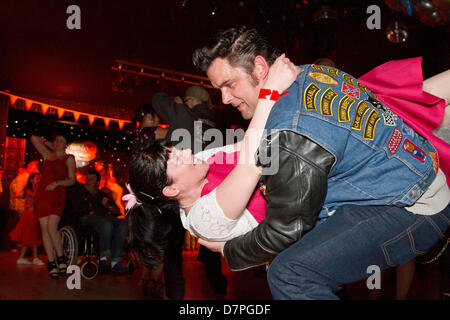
point(207, 220)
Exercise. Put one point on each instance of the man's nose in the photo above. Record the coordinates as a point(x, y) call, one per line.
point(226, 96)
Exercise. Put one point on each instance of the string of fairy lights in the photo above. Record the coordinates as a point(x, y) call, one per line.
point(113, 146)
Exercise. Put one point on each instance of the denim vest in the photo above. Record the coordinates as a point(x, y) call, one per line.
point(380, 160)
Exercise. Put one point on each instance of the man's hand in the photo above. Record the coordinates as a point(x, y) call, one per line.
point(215, 246)
point(178, 100)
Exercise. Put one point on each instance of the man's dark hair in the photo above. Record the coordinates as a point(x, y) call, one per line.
point(239, 46)
point(96, 173)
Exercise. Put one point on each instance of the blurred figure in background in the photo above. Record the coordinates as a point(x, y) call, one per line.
point(27, 232)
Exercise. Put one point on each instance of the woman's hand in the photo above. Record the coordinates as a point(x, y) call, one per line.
point(52, 186)
point(282, 74)
point(216, 246)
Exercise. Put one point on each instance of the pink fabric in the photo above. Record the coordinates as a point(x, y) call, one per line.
point(398, 83)
point(220, 165)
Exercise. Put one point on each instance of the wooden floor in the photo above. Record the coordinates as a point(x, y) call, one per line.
point(28, 282)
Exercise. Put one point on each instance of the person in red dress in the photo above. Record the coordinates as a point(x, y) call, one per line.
point(27, 232)
point(58, 172)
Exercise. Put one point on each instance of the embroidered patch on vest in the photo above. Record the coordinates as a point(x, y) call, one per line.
point(333, 72)
point(434, 156)
point(322, 77)
point(371, 124)
point(363, 88)
point(414, 150)
point(310, 97)
point(344, 108)
point(350, 90)
point(361, 110)
point(326, 102)
point(348, 78)
point(317, 67)
point(395, 141)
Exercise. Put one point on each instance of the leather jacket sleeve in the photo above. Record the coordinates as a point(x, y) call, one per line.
point(295, 195)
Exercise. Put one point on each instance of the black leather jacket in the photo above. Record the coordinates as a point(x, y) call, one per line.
point(295, 195)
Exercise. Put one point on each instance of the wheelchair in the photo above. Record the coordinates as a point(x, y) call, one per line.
point(80, 246)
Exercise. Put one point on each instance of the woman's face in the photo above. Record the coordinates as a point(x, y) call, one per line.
point(184, 169)
point(60, 143)
point(35, 181)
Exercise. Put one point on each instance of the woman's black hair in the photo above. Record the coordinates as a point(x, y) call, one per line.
point(29, 185)
point(149, 222)
point(142, 110)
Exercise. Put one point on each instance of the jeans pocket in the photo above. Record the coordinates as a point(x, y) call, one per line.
point(416, 240)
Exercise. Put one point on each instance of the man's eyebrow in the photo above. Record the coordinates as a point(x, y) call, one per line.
point(224, 83)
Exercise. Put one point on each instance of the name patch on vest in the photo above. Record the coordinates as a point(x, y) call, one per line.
point(344, 108)
point(414, 150)
point(322, 77)
point(326, 102)
point(395, 141)
point(310, 97)
point(371, 124)
point(361, 110)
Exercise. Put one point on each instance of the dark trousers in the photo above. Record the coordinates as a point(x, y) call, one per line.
point(173, 260)
point(213, 268)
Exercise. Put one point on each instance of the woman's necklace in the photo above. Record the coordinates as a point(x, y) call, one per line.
point(189, 205)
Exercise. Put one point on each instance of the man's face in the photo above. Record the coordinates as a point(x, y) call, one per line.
point(91, 182)
point(238, 87)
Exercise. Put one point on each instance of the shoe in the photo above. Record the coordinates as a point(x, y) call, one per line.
point(62, 263)
point(38, 262)
point(119, 269)
point(52, 269)
point(23, 261)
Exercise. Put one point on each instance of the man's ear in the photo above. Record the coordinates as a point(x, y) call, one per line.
point(261, 69)
point(170, 191)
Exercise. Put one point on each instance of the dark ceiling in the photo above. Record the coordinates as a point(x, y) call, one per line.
point(40, 56)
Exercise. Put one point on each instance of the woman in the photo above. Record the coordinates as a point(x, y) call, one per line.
point(161, 173)
point(27, 232)
point(58, 172)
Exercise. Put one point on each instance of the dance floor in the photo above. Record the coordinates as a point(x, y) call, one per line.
point(28, 282)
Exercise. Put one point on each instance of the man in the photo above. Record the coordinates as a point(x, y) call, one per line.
point(194, 116)
point(97, 209)
point(348, 160)
point(188, 121)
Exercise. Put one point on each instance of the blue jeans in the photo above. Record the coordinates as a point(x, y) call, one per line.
point(112, 233)
point(340, 250)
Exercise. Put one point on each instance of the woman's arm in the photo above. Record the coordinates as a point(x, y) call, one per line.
point(42, 146)
point(70, 180)
point(439, 86)
point(235, 191)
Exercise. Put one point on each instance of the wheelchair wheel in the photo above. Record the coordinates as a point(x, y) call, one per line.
point(69, 244)
point(89, 270)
